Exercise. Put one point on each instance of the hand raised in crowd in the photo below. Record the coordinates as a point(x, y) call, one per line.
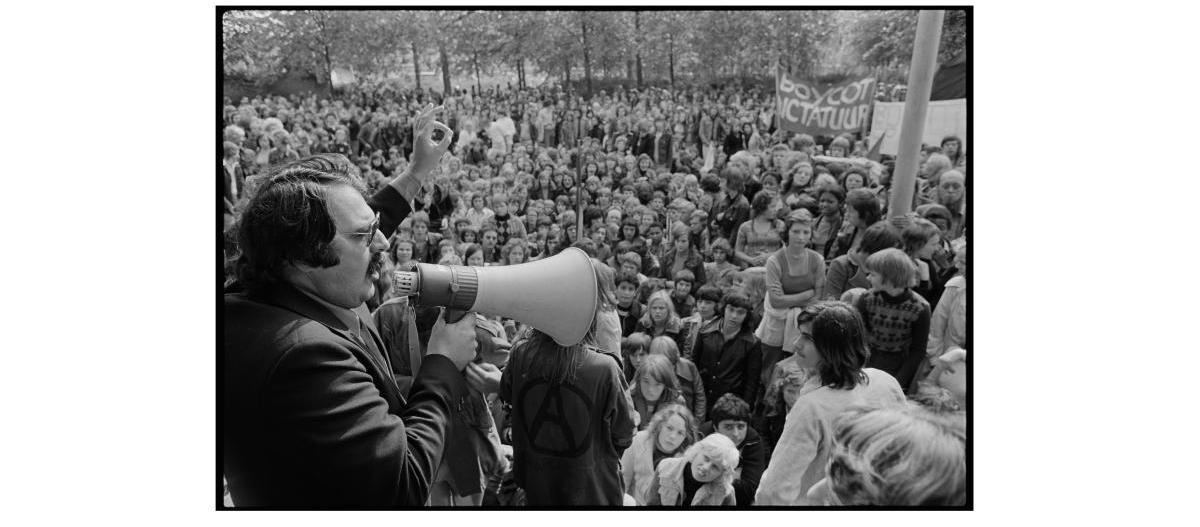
point(427, 151)
point(455, 341)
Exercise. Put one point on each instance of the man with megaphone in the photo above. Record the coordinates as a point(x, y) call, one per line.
point(311, 414)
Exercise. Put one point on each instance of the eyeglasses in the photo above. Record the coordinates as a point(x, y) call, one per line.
point(369, 234)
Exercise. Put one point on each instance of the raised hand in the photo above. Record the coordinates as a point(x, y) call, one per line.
point(427, 151)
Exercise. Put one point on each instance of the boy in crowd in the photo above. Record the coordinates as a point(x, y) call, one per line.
point(727, 353)
point(731, 418)
point(490, 237)
point(707, 314)
point(629, 311)
point(681, 295)
point(896, 318)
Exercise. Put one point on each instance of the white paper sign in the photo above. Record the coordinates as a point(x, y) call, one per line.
point(943, 118)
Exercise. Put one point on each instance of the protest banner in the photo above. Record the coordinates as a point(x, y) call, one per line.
point(823, 109)
point(943, 118)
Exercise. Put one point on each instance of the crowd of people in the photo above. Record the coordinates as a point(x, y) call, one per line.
point(783, 338)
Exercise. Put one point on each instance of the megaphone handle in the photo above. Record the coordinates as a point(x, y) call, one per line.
point(452, 316)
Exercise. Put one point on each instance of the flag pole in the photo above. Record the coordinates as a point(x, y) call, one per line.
point(578, 189)
point(916, 104)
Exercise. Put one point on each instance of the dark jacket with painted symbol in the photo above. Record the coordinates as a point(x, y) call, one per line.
point(568, 438)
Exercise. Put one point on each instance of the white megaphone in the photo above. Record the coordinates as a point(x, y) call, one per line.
point(556, 295)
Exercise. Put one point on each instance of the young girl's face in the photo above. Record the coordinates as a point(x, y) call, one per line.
point(468, 237)
point(799, 235)
point(854, 181)
point(876, 279)
point(671, 435)
point(802, 178)
point(404, 252)
point(704, 469)
point(516, 255)
point(950, 148)
point(683, 287)
point(828, 204)
point(659, 311)
point(420, 229)
point(650, 387)
point(476, 260)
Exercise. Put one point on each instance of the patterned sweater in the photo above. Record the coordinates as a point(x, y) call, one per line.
point(897, 331)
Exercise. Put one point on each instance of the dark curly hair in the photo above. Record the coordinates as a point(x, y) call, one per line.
point(287, 220)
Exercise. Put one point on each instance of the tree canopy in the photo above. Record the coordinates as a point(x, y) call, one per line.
point(639, 46)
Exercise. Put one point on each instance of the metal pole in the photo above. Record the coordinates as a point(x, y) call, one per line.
point(916, 104)
point(578, 190)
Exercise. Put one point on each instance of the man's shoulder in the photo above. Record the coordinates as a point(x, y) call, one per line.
point(248, 318)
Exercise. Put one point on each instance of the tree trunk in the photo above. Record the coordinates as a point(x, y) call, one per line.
point(587, 61)
point(628, 69)
point(567, 72)
point(328, 68)
point(416, 66)
point(637, 28)
point(320, 20)
point(475, 59)
point(445, 69)
point(671, 60)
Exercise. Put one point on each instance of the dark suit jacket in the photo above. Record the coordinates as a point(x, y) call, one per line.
point(644, 145)
point(311, 415)
point(662, 155)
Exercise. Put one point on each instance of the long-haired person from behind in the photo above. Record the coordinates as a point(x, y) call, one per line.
point(571, 416)
point(837, 350)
